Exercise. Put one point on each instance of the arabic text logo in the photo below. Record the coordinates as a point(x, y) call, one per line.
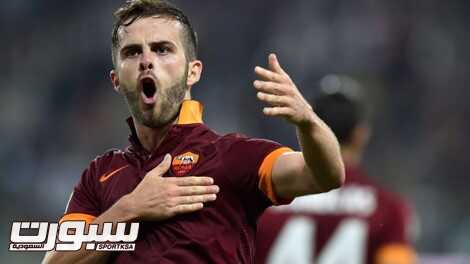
point(70, 236)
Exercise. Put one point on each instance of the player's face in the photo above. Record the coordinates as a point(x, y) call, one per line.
point(151, 69)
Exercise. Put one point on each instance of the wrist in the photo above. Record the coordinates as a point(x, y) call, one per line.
point(126, 207)
point(310, 121)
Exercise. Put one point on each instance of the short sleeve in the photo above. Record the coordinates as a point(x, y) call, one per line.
point(398, 224)
point(250, 162)
point(265, 171)
point(395, 245)
point(83, 203)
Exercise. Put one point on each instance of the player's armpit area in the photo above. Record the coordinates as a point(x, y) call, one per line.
point(78, 217)
point(396, 254)
point(265, 175)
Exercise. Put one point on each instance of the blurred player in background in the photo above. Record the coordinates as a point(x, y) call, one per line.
point(359, 223)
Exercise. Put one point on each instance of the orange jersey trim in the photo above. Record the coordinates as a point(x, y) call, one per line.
point(265, 174)
point(396, 254)
point(190, 113)
point(78, 217)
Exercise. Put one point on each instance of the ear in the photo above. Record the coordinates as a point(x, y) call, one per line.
point(194, 72)
point(115, 80)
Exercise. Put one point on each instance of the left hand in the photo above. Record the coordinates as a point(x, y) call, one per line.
point(277, 89)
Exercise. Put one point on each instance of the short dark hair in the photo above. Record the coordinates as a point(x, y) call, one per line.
point(341, 113)
point(135, 9)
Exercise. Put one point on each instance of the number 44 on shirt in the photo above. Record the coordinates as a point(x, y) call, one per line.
point(296, 244)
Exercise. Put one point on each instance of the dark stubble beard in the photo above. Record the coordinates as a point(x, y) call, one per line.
point(169, 102)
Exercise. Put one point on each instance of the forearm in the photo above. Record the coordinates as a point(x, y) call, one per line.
point(321, 153)
point(119, 212)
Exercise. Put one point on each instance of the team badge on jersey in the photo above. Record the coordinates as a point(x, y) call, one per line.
point(183, 163)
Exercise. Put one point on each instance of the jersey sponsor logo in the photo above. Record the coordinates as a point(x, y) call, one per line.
point(108, 175)
point(184, 163)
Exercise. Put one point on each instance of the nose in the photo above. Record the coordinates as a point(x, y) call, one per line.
point(145, 63)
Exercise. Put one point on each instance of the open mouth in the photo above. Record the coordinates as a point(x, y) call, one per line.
point(148, 90)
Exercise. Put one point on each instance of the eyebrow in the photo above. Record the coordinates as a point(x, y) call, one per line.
point(155, 43)
point(130, 46)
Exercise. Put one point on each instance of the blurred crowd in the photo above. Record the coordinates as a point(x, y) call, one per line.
point(58, 109)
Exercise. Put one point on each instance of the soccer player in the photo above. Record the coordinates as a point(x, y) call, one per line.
point(359, 223)
point(160, 179)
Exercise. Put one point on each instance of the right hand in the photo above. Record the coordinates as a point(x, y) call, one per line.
point(159, 198)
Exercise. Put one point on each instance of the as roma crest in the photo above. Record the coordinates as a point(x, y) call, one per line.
point(183, 163)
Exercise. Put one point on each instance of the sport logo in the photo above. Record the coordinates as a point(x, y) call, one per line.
point(70, 236)
point(183, 163)
point(108, 175)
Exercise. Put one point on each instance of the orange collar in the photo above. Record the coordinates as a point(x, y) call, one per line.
point(190, 113)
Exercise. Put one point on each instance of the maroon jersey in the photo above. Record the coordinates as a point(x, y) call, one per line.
point(358, 223)
point(224, 230)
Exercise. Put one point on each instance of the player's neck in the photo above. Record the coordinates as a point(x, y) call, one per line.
point(150, 138)
point(351, 156)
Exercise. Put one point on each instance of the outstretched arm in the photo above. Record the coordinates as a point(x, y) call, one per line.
point(319, 167)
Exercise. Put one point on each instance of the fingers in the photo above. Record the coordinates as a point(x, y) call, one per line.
point(163, 167)
point(189, 203)
point(191, 199)
point(279, 92)
point(274, 64)
point(268, 75)
point(197, 190)
point(273, 100)
point(192, 181)
point(187, 208)
point(271, 87)
point(275, 73)
point(277, 111)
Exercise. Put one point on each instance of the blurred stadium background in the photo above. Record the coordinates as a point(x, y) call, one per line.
point(58, 109)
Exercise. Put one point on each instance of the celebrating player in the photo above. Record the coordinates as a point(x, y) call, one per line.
point(359, 223)
point(197, 194)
